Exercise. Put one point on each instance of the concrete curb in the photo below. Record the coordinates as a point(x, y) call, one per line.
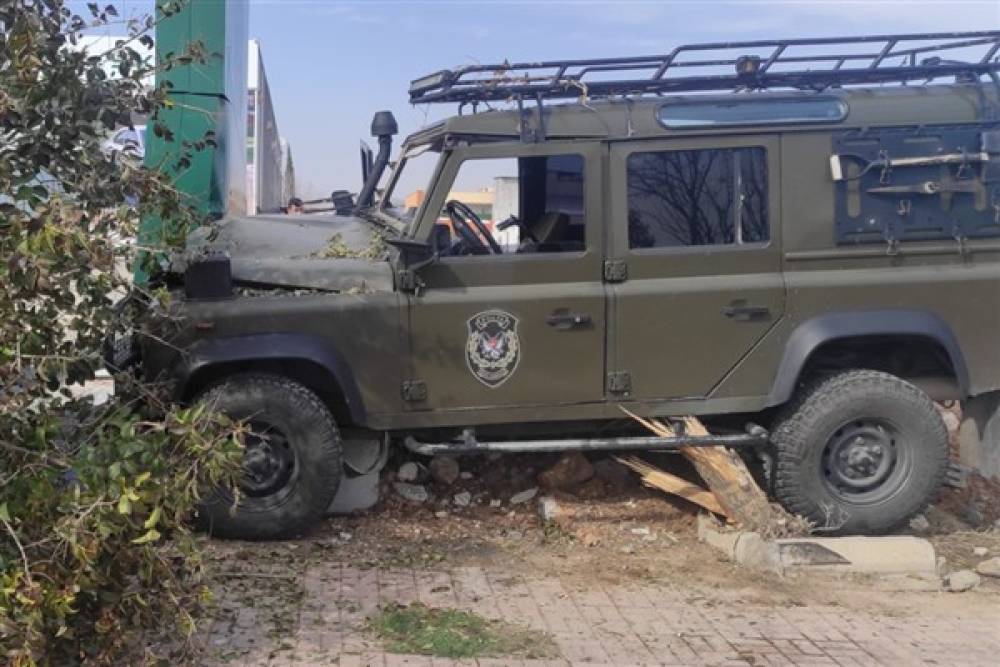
point(890, 555)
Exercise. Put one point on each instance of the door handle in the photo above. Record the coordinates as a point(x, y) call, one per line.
point(563, 320)
point(742, 311)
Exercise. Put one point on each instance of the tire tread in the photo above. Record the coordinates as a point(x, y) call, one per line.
point(315, 411)
point(792, 440)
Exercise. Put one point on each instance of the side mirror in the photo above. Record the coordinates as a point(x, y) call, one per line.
point(441, 239)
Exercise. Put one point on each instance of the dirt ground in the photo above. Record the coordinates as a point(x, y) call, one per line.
point(620, 535)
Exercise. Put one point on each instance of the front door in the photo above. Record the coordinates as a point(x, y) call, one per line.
point(525, 326)
point(694, 225)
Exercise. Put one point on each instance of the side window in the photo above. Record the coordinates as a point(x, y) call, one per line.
point(697, 197)
point(527, 204)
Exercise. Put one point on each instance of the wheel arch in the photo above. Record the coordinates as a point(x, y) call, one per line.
point(308, 359)
point(812, 335)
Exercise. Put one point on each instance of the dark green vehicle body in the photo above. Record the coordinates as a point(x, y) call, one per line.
point(706, 329)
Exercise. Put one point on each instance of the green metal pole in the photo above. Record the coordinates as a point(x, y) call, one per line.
point(209, 96)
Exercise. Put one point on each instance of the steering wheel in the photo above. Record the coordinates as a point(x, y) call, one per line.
point(471, 229)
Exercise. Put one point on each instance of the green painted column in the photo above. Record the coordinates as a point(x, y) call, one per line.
point(209, 96)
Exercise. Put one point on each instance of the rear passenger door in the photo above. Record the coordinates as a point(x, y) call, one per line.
point(694, 261)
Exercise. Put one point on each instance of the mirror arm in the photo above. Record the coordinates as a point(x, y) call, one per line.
point(427, 261)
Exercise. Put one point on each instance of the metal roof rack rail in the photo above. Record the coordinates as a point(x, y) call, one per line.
point(804, 64)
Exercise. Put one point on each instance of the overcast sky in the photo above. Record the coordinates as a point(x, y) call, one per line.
point(332, 63)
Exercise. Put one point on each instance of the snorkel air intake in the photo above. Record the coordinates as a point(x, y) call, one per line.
point(383, 128)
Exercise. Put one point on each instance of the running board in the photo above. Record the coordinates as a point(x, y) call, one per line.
point(755, 437)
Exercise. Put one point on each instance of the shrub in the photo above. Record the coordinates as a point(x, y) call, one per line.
point(94, 546)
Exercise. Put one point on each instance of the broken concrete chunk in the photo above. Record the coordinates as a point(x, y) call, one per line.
point(981, 552)
point(523, 496)
point(950, 419)
point(617, 476)
point(592, 489)
point(920, 525)
point(961, 581)
point(444, 470)
point(411, 471)
point(989, 568)
point(412, 492)
point(569, 471)
point(463, 499)
point(548, 508)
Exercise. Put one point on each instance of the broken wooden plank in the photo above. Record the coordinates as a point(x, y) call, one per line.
point(672, 484)
point(726, 474)
point(730, 480)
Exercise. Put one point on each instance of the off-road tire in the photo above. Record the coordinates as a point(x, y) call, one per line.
point(814, 423)
point(311, 439)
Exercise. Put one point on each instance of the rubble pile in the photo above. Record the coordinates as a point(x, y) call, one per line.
point(505, 481)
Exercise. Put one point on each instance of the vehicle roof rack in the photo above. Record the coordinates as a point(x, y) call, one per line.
point(803, 64)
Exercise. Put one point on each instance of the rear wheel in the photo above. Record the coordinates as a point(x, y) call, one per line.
point(859, 452)
point(292, 464)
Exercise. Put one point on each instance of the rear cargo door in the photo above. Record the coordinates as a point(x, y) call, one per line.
point(694, 261)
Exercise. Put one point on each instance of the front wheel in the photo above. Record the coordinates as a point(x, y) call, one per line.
point(292, 465)
point(859, 452)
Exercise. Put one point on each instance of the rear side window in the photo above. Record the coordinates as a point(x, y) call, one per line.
point(752, 112)
point(697, 198)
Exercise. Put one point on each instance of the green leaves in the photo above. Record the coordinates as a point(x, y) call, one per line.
point(150, 535)
point(94, 500)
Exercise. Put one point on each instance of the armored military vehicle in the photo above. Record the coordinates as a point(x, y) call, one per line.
point(796, 240)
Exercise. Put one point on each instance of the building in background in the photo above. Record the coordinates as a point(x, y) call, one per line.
point(288, 179)
point(270, 173)
point(480, 201)
point(103, 40)
point(492, 205)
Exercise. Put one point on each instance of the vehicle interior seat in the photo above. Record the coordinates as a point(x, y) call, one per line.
point(551, 227)
point(550, 230)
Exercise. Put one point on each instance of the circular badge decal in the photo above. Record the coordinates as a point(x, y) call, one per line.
point(492, 349)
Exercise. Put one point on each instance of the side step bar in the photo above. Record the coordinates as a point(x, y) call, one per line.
point(755, 437)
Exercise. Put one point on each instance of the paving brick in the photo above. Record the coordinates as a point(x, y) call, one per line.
point(655, 624)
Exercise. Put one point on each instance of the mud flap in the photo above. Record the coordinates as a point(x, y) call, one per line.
point(979, 434)
point(355, 493)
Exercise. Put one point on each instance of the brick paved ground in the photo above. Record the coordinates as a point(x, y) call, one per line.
point(642, 623)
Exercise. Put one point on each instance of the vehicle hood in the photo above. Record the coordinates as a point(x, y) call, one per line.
point(331, 253)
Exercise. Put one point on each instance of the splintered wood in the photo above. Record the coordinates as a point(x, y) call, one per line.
point(734, 490)
point(660, 479)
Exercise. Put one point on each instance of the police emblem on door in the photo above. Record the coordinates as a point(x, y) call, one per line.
point(493, 349)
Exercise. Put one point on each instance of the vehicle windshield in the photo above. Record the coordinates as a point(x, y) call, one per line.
point(409, 182)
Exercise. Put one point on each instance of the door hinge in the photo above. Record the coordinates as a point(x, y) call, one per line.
point(408, 281)
point(414, 390)
point(619, 382)
point(615, 270)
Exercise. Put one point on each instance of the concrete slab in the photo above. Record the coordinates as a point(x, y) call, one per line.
point(979, 434)
point(893, 554)
point(857, 555)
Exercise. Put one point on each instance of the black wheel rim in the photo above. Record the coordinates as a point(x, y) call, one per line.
point(865, 461)
point(269, 463)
